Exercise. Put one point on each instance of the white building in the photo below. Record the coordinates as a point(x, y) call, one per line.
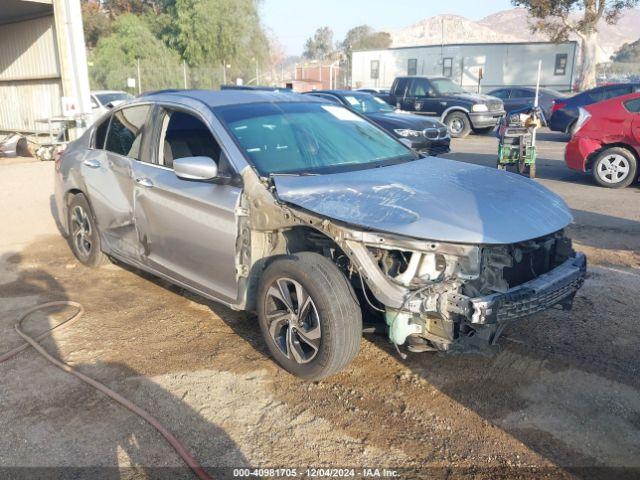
point(501, 64)
point(42, 62)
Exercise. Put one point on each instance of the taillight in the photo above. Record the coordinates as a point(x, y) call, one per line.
point(583, 118)
point(557, 106)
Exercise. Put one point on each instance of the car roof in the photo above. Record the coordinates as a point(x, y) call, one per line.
point(100, 92)
point(428, 77)
point(340, 92)
point(221, 98)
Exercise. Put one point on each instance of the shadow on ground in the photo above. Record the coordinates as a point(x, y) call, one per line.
point(58, 414)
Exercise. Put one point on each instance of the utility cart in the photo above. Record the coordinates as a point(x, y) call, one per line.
point(516, 147)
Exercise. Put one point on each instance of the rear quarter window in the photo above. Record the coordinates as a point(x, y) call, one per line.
point(633, 106)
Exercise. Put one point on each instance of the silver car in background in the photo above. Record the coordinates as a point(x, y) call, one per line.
point(314, 217)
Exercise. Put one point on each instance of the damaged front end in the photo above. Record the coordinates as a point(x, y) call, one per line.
point(432, 294)
point(450, 292)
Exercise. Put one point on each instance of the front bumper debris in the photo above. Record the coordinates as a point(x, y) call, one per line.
point(557, 286)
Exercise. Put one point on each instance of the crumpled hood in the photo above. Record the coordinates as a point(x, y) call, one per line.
point(433, 199)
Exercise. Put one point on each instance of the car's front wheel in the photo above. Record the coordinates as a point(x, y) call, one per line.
point(84, 238)
point(615, 168)
point(458, 124)
point(309, 315)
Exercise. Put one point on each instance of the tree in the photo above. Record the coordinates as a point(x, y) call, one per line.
point(96, 22)
point(116, 57)
point(628, 53)
point(363, 37)
point(219, 32)
point(553, 18)
point(320, 46)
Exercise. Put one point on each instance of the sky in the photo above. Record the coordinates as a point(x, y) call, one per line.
point(293, 21)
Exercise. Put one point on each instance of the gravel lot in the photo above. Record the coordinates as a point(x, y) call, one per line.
point(559, 395)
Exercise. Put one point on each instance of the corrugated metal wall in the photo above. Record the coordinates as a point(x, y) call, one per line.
point(30, 84)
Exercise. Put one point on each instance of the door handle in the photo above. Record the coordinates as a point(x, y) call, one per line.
point(91, 163)
point(144, 182)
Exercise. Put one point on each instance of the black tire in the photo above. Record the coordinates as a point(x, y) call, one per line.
point(458, 124)
point(84, 238)
point(333, 315)
point(614, 167)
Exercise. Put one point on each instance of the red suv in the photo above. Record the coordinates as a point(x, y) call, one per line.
point(607, 141)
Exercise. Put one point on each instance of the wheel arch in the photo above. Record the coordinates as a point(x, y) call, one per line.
point(296, 239)
point(456, 108)
point(592, 156)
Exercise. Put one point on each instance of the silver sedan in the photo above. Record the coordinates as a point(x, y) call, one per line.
point(304, 211)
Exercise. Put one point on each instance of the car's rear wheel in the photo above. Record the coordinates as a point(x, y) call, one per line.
point(458, 124)
point(615, 168)
point(84, 238)
point(309, 315)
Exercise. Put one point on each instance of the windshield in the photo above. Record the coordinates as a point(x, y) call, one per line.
point(444, 86)
point(301, 138)
point(106, 98)
point(368, 104)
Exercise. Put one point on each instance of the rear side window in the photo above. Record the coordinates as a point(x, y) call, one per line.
point(501, 94)
point(331, 98)
point(617, 91)
point(517, 93)
point(100, 134)
point(400, 87)
point(126, 131)
point(633, 105)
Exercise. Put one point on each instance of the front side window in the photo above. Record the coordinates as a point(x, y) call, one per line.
point(561, 64)
point(375, 69)
point(126, 130)
point(185, 135)
point(412, 66)
point(444, 86)
point(420, 87)
point(309, 138)
point(447, 67)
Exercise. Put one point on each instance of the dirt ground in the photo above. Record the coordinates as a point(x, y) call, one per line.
point(559, 397)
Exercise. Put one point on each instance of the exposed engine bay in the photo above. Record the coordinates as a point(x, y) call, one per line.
point(432, 294)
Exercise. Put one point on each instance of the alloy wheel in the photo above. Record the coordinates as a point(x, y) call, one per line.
point(613, 169)
point(293, 320)
point(81, 231)
point(456, 126)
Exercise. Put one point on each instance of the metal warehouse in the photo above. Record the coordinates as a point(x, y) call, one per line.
point(474, 66)
point(42, 63)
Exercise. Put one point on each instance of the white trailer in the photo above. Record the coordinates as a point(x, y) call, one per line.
point(42, 64)
point(499, 64)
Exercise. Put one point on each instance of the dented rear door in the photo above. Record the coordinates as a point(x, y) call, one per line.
point(108, 176)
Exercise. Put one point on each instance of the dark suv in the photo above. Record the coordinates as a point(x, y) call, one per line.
point(439, 97)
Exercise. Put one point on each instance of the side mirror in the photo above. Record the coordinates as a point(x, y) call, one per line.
point(195, 168)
